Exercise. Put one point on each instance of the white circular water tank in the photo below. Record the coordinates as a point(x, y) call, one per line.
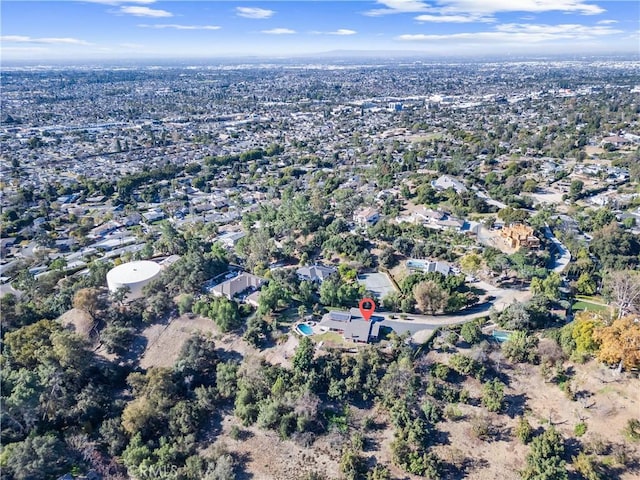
point(134, 275)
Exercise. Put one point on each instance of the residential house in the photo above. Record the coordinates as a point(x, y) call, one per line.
point(427, 266)
point(5, 245)
point(315, 273)
point(367, 216)
point(153, 215)
point(352, 325)
point(445, 182)
point(230, 239)
point(615, 140)
point(237, 286)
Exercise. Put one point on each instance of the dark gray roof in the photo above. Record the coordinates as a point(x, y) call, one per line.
point(316, 273)
point(353, 325)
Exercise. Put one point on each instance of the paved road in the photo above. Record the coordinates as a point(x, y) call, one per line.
point(415, 323)
point(563, 256)
point(485, 196)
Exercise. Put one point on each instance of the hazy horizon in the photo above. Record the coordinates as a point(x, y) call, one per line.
point(107, 30)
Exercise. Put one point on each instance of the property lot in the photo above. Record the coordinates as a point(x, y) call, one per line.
point(378, 283)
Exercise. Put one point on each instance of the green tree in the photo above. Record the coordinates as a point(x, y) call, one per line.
point(471, 332)
point(585, 284)
point(520, 347)
point(524, 430)
point(336, 292)
point(576, 188)
point(548, 287)
point(185, 303)
point(493, 395)
point(352, 465)
point(303, 358)
point(37, 458)
point(544, 460)
point(226, 379)
point(273, 297)
point(515, 317)
point(471, 263)
point(582, 332)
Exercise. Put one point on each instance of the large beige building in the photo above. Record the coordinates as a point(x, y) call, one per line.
point(519, 235)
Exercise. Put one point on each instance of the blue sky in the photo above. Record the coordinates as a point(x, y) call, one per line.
point(111, 29)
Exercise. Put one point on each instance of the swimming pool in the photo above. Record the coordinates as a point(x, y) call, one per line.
point(304, 329)
point(501, 336)
point(422, 264)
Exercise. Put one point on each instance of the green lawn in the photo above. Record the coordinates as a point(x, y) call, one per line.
point(329, 337)
point(591, 307)
point(591, 298)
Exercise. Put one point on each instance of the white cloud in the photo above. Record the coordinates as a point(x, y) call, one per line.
point(607, 22)
point(144, 12)
point(118, 2)
point(180, 27)
point(342, 31)
point(454, 18)
point(484, 7)
point(533, 6)
point(46, 40)
point(279, 31)
point(516, 32)
point(562, 29)
point(254, 12)
point(398, 6)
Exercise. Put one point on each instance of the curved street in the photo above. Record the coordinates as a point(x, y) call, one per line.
point(563, 256)
point(414, 323)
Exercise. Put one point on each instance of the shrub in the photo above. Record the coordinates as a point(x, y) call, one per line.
point(481, 427)
point(524, 430)
point(493, 395)
point(379, 472)
point(440, 370)
point(452, 412)
point(466, 366)
point(357, 442)
point(588, 467)
point(352, 465)
point(580, 429)
point(369, 423)
point(471, 333)
point(544, 460)
point(520, 347)
point(632, 430)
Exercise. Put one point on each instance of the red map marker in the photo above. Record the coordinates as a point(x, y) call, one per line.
point(367, 307)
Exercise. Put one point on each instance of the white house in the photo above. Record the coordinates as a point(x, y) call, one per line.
point(366, 216)
point(445, 182)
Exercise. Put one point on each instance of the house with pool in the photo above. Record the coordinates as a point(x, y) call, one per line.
point(351, 324)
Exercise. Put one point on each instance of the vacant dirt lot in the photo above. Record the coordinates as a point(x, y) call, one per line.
point(164, 342)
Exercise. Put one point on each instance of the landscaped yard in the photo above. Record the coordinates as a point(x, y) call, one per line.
point(591, 307)
point(331, 338)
